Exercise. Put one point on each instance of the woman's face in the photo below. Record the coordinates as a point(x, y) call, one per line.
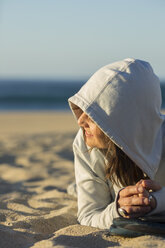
point(94, 137)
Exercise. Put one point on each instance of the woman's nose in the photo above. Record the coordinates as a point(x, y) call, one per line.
point(82, 120)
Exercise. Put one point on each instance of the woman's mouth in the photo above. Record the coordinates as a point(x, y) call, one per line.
point(87, 134)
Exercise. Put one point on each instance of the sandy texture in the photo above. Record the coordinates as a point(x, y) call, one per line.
point(36, 166)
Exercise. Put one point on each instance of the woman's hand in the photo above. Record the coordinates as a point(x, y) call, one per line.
point(151, 186)
point(135, 199)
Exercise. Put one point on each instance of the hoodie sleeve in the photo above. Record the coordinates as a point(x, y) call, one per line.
point(96, 206)
point(160, 202)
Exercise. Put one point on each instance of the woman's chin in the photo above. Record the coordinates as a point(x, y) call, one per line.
point(89, 144)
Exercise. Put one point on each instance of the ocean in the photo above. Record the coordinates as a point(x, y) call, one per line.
point(41, 95)
point(36, 95)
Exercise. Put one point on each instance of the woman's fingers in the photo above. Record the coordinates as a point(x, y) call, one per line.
point(133, 201)
point(133, 190)
point(149, 185)
point(136, 211)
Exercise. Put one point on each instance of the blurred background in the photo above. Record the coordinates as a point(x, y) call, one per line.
point(49, 48)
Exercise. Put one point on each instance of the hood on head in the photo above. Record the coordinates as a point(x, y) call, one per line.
point(124, 100)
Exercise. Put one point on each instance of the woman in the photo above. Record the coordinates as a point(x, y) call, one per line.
point(118, 148)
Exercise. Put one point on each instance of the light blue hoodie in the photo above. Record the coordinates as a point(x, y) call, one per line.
point(124, 100)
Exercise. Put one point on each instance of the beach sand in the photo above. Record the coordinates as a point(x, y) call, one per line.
point(36, 166)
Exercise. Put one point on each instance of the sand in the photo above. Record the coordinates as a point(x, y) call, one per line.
point(36, 166)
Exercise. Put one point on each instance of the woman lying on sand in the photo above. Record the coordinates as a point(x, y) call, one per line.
point(118, 149)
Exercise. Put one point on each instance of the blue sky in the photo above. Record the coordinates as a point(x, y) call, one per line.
point(71, 39)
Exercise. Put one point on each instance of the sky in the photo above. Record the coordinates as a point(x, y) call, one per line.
point(71, 39)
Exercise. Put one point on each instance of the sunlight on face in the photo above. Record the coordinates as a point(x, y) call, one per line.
point(94, 137)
